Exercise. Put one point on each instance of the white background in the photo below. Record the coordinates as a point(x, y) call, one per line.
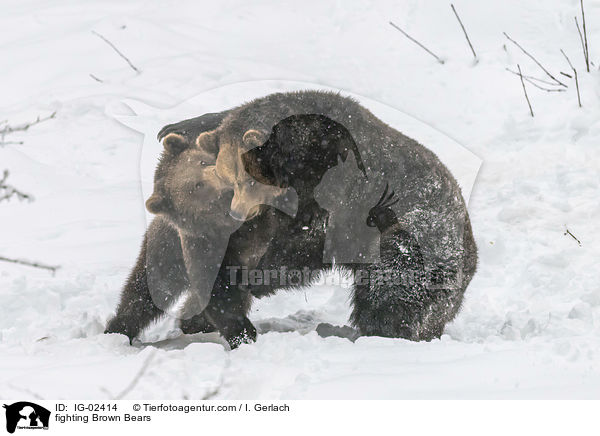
point(529, 327)
point(341, 417)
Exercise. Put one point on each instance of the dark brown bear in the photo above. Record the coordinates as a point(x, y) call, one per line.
point(425, 247)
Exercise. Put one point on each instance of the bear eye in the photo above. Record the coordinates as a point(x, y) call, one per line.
point(203, 163)
point(251, 182)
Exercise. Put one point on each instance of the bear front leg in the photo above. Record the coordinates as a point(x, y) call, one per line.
point(309, 212)
point(213, 261)
point(157, 279)
point(203, 256)
point(212, 301)
point(227, 310)
point(136, 309)
point(196, 324)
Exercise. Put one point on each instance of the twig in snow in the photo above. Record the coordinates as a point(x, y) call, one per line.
point(117, 50)
point(31, 264)
point(534, 79)
point(568, 232)
point(137, 377)
point(558, 82)
point(531, 80)
point(3, 143)
point(25, 390)
point(575, 74)
point(566, 75)
point(417, 42)
point(7, 191)
point(214, 392)
point(585, 56)
point(525, 90)
point(96, 79)
point(23, 127)
point(464, 31)
point(542, 88)
point(584, 42)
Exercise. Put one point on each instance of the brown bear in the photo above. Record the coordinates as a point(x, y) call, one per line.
point(204, 193)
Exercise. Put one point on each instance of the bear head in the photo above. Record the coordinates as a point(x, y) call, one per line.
point(248, 195)
point(299, 151)
point(187, 189)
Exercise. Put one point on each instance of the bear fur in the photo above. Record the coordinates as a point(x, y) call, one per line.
point(425, 238)
point(160, 274)
point(281, 162)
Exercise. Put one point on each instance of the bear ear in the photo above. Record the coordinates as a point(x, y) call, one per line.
point(209, 142)
point(155, 204)
point(175, 143)
point(254, 138)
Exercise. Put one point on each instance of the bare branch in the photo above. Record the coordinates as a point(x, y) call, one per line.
point(558, 82)
point(96, 79)
point(217, 389)
point(575, 74)
point(542, 88)
point(587, 50)
point(137, 377)
point(418, 43)
point(567, 58)
point(532, 80)
point(525, 90)
point(117, 50)
point(23, 127)
point(213, 392)
point(26, 391)
point(582, 41)
point(31, 264)
point(464, 30)
point(3, 143)
point(7, 191)
point(535, 79)
point(568, 232)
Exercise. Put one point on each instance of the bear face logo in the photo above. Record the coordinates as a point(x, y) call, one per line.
point(26, 415)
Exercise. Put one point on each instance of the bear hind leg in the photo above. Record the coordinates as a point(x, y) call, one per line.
point(415, 320)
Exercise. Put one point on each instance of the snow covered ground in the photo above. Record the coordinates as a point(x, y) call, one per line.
point(530, 325)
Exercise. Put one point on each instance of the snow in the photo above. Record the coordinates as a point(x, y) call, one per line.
point(530, 324)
